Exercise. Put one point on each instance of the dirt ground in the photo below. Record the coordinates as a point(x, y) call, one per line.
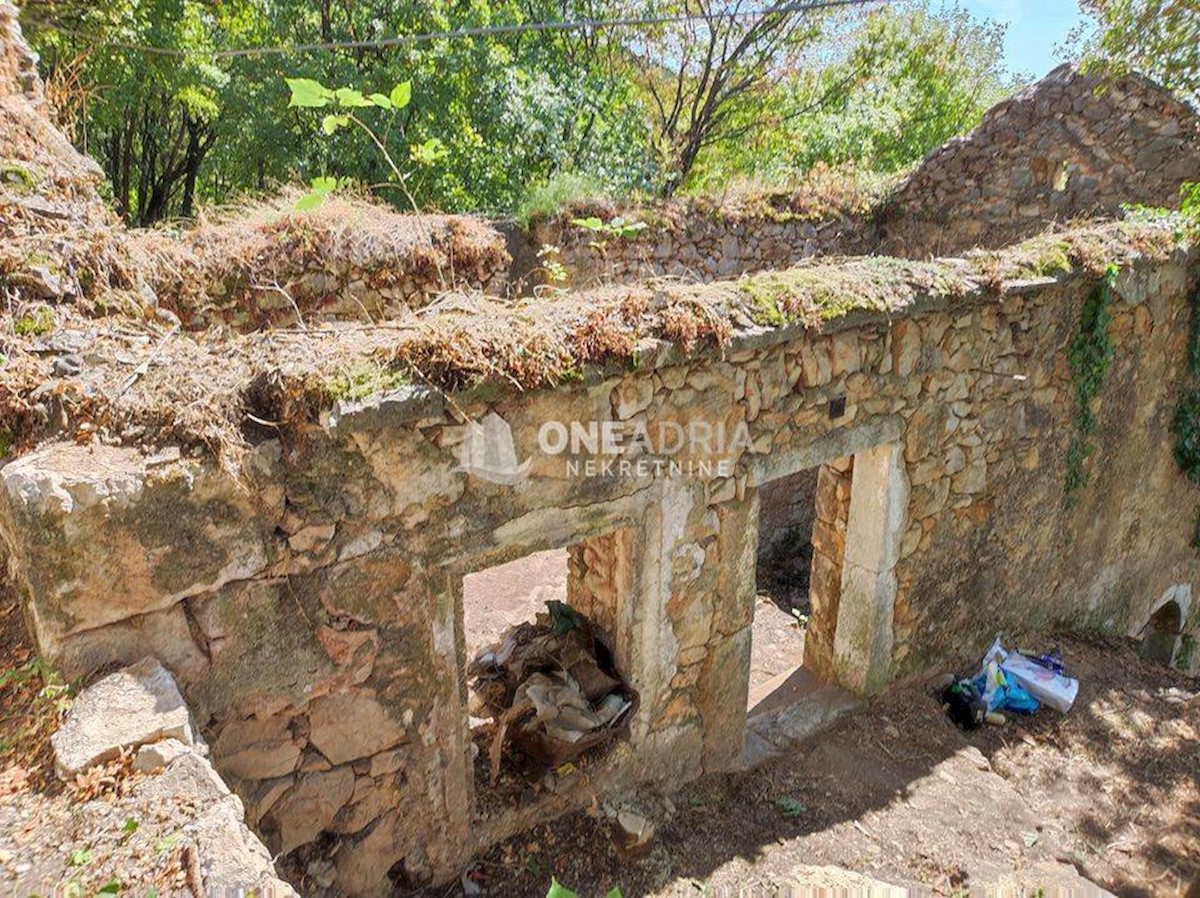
point(503, 596)
point(777, 635)
point(93, 836)
point(1109, 792)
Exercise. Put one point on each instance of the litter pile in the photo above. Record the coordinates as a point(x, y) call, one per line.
point(550, 689)
point(1017, 682)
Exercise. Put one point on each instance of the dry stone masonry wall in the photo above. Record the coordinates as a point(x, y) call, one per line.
point(18, 64)
point(313, 612)
point(683, 241)
point(1071, 144)
point(310, 607)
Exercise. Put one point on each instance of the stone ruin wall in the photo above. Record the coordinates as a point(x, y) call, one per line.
point(694, 246)
point(1068, 146)
point(312, 612)
point(18, 64)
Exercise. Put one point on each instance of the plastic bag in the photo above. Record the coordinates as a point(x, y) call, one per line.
point(1041, 683)
point(1045, 685)
point(1001, 691)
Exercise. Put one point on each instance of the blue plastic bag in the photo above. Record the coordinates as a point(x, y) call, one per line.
point(1002, 692)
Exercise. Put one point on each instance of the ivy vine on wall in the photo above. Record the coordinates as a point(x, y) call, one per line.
point(1090, 356)
point(1186, 424)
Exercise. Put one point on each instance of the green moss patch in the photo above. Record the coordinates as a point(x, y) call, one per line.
point(823, 292)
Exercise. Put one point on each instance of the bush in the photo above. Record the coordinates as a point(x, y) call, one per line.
point(548, 198)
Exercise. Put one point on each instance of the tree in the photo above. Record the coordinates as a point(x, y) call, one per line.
point(1160, 38)
point(150, 121)
point(172, 129)
point(912, 81)
point(898, 84)
point(698, 69)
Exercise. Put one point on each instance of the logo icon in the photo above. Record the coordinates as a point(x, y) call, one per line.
point(488, 452)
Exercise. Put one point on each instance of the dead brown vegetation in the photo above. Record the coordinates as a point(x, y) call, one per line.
point(133, 336)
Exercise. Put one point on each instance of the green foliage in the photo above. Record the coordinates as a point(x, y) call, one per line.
point(790, 807)
point(430, 152)
point(911, 80)
point(546, 199)
point(321, 188)
point(310, 94)
point(1055, 260)
point(17, 175)
point(483, 117)
point(1090, 356)
point(558, 890)
point(1189, 200)
point(40, 322)
point(1160, 38)
point(1186, 426)
point(1187, 648)
point(359, 383)
point(508, 109)
point(1186, 423)
point(614, 227)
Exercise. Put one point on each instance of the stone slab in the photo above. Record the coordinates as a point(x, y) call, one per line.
point(132, 707)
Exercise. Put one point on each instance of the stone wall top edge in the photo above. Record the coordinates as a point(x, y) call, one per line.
point(398, 407)
point(409, 403)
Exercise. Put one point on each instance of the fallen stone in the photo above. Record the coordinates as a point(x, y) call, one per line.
point(158, 755)
point(632, 833)
point(189, 776)
point(132, 707)
point(232, 860)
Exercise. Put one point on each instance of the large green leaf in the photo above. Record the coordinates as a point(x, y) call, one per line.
point(349, 98)
point(558, 890)
point(308, 93)
point(401, 94)
point(331, 123)
point(321, 188)
point(309, 201)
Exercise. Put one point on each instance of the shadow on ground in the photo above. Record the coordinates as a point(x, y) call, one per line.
point(1110, 792)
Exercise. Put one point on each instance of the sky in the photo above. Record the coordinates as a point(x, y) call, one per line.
point(1035, 27)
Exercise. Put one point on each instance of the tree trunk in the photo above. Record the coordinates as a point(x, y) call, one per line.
point(195, 155)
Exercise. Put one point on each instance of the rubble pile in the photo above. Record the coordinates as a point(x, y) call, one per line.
point(550, 689)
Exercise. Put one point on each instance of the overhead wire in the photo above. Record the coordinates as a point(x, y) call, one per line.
point(473, 31)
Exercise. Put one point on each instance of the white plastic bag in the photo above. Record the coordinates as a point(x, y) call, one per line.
point(1045, 685)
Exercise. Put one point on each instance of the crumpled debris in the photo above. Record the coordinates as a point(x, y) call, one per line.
point(550, 688)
